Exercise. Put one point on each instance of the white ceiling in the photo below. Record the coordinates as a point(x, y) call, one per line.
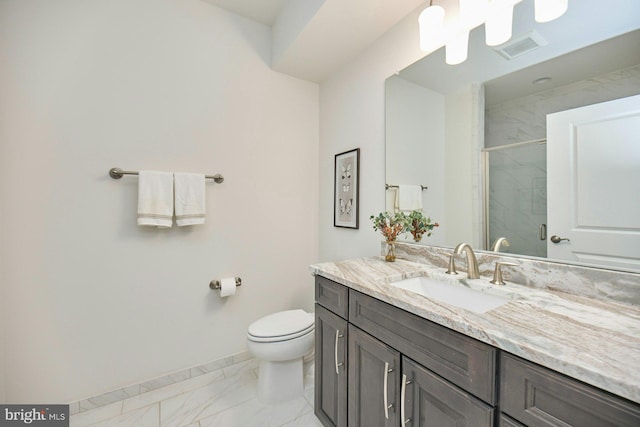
point(333, 33)
point(264, 11)
point(329, 33)
point(595, 60)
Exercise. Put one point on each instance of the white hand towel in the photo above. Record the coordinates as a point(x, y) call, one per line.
point(409, 197)
point(155, 198)
point(190, 202)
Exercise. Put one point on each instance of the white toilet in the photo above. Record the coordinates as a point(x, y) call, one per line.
point(280, 341)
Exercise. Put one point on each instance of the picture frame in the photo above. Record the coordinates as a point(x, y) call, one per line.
point(346, 206)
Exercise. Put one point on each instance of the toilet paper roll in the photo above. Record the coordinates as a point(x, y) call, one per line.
point(227, 286)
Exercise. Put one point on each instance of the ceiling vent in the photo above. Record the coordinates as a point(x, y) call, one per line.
point(521, 45)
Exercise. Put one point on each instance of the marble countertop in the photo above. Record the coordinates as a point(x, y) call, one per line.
point(595, 341)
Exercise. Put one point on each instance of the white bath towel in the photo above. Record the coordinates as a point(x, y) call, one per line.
point(409, 197)
point(190, 200)
point(155, 198)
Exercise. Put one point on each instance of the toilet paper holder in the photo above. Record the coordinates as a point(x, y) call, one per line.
point(215, 284)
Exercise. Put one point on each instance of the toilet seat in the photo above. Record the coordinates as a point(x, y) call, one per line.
point(281, 326)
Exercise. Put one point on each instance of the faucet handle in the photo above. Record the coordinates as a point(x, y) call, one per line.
point(452, 266)
point(497, 273)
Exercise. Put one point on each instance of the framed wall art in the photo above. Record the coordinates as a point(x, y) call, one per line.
point(346, 189)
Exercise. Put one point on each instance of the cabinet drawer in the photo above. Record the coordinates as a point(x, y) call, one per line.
point(465, 362)
point(535, 395)
point(332, 296)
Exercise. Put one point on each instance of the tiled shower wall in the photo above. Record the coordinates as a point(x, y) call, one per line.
point(524, 119)
point(518, 175)
point(518, 198)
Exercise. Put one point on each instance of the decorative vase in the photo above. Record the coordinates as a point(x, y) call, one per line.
point(391, 251)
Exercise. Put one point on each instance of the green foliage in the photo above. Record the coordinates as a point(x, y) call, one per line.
point(419, 225)
point(392, 225)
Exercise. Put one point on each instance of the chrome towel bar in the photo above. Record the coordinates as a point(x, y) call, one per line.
point(117, 173)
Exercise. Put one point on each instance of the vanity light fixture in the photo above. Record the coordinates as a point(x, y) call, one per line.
point(431, 23)
point(499, 22)
point(497, 15)
point(457, 48)
point(471, 12)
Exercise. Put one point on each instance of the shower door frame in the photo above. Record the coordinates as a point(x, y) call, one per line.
point(485, 188)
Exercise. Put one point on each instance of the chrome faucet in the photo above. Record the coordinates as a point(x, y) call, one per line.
point(502, 241)
point(472, 263)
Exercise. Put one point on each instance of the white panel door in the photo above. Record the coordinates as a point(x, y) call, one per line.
point(593, 176)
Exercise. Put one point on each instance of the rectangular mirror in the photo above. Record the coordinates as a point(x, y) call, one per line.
point(475, 133)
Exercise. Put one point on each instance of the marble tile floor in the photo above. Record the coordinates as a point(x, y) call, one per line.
point(223, 398)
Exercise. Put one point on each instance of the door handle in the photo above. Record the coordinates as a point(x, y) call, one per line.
point(543, 231)
point(558, 239)
point(335, 352)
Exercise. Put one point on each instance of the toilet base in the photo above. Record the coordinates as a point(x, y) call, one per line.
point(280, 381)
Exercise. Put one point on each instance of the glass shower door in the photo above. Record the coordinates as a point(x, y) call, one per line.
point(516, 197)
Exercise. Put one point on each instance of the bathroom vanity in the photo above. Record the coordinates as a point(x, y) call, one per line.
point(386, 356)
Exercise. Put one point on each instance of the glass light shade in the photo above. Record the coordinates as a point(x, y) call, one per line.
point(456, 48)
point(431, 23)
point(548, 10)
point(499, 23)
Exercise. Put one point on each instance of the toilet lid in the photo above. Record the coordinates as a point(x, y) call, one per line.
point(282, 325)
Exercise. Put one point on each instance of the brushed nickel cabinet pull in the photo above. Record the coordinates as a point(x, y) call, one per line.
point(403, 391)
point(335, 352)
point(386, 377)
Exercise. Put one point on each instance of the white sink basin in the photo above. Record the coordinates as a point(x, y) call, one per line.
point(457, 295)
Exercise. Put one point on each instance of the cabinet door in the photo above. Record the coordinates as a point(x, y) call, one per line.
point(538, 396)
point(330, 368)
point(374, 372)
point(466, 362)
point(428, 400)
point(506, 421)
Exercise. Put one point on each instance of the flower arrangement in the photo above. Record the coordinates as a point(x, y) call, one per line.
point(392, 225)
point(418, 225)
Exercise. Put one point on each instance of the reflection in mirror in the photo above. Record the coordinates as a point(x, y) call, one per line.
point(516, 196)
point(457, 129)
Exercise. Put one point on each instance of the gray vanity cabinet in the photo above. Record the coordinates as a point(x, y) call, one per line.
point(330, 400)
point(434, 376)
point(461, 360)
point(431, 401)
point(537, 396)
point(450, 374)
point(506, 421)
point(374, 370)
point(331, 335)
